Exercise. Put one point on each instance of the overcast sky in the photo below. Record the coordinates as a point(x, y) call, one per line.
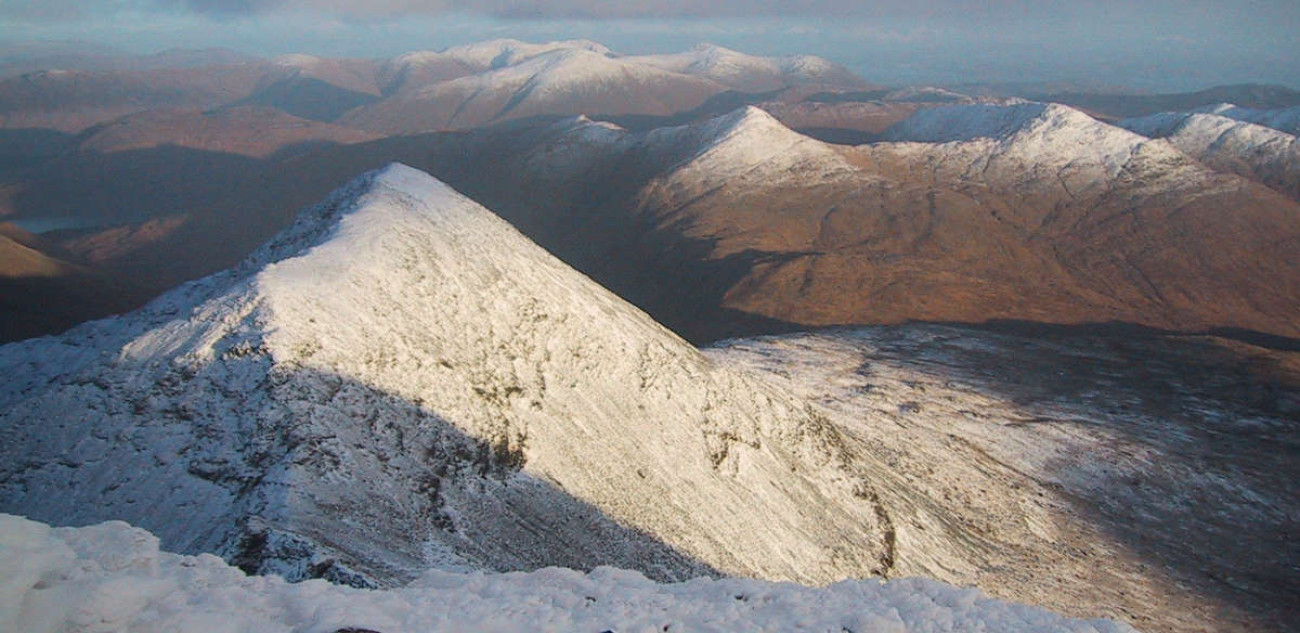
point(1150, 44)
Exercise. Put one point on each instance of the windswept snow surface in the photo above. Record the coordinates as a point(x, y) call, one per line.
point(113, 577)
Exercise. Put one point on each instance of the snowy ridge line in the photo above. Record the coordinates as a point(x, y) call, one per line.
point(1281, 119)
point(1229, 144)
point(741, 71)
point(113, 576)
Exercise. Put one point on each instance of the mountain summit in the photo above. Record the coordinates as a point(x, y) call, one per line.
point(401, 380)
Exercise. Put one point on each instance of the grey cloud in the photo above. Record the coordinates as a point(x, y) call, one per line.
point(231, 7)
point(38, 11)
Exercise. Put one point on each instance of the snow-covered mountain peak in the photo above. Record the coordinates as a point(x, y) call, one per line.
point(748, 119)
point(507, 52)
point(748, 72)
point(1043, 145)
point(402, 380)
point(1050, 132)
point(585, 128)
point(556, 74)
point(747, 143)
point(707, 55)
point(746, 130)
point(298, 60)
point(811, 65)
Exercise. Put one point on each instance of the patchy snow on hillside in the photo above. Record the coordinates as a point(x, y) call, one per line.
point(112, 577)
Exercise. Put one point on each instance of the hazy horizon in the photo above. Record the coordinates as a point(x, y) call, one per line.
point(1162, 46)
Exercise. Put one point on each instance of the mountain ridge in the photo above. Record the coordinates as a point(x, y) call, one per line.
point(493, 389)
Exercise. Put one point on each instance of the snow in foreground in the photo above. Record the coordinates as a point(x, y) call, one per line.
point(111, 577)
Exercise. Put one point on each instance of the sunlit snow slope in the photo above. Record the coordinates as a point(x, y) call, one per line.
point(401, 380)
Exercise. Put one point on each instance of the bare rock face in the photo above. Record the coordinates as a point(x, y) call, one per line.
point(400, 380)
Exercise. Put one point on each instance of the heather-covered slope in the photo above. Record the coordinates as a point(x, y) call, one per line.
point(968, 213)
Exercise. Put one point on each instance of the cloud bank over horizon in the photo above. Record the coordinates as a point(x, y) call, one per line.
point(1162, 44)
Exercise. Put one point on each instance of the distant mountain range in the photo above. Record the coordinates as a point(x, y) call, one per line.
point(737, 224)
point(969, 213)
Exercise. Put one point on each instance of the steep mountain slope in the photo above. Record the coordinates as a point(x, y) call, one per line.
point(1027, 211)
point(748, 73)
point(41, 291)
point(563, 81)
point(401, 380)
point(1230, 145)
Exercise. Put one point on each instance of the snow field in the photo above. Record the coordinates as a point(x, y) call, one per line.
point(112, 577)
